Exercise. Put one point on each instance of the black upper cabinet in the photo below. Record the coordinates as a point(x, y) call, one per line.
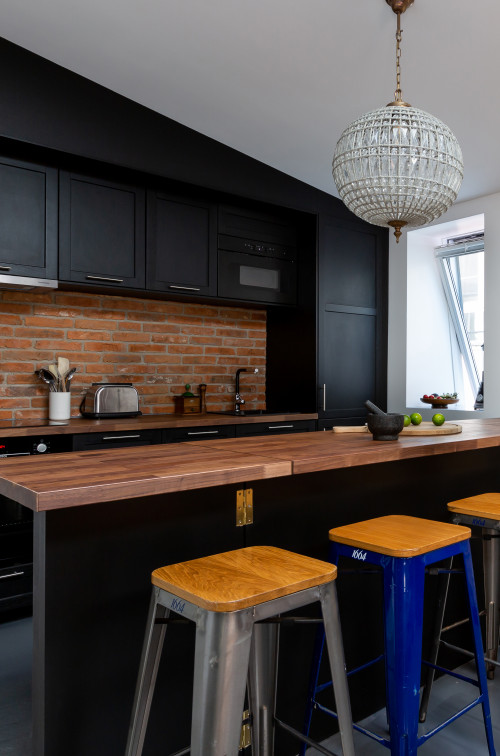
point(28, 219)
point(101, 232)
point(181, 245)
point(352, 317)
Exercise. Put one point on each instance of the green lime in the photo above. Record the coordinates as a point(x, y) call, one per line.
point(416, 418)
point(438, 418)
point(407, 420)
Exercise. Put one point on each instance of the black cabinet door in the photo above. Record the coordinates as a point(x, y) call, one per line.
point(181, 245)
point(197, 433)
point(101, 232)
point(277, 427)
point(115, 439)
point(28, 219)
point(352, 318)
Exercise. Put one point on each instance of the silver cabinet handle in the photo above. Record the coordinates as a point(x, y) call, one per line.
point(119, 438)
point(11, 574)
point(324, 397)
point(16, 454)
point(4, 267)
point(104, 278)
point(275, 427)
point(185, 288)
point(201, 433)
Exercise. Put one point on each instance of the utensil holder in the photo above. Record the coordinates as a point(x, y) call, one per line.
point(59, 405)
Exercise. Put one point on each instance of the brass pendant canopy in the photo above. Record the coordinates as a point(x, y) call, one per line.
point(399, 6)
point(398, 166)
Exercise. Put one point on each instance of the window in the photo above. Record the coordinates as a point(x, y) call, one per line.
point(461, 265)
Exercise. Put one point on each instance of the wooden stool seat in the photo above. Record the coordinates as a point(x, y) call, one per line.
point(235, 599)
point(399, 535)
point(485, 505)
point(242, 578)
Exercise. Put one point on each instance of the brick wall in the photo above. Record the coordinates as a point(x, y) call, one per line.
point(156, 345)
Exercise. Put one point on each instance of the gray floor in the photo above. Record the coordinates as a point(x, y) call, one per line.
point(15, 688)
point(465, 737)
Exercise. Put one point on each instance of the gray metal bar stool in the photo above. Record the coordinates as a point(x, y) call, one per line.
point(226, 595)
point(481, 511)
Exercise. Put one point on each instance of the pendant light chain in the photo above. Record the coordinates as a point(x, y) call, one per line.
point(398, 95)
point(398, 166)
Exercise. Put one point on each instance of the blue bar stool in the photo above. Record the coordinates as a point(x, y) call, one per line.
point(229, 596)
point(403, 547)
point(481, 512)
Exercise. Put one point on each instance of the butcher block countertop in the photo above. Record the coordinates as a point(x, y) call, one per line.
point(72, 479)
point(78, 478)
point(324, 450)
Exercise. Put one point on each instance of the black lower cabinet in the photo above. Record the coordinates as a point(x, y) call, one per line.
point(16, 558)
point(273, 428)
point(197, 433)
point(115, 440)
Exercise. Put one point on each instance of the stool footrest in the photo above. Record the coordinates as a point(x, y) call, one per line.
point(373, 735)
point(457, 675)
point(291, 621)
point(304, 739)
point(467, 653)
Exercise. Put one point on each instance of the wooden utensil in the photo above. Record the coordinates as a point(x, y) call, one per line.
point(63, 369)
point(57, 377)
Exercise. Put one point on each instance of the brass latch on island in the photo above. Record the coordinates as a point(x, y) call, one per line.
point(245, 737)
point(244, 507)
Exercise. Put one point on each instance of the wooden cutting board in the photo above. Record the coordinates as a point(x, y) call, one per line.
point(424, 429)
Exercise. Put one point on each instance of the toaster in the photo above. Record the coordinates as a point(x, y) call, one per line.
point(110, 400)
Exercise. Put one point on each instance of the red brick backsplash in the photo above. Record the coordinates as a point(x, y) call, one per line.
point(158, 346)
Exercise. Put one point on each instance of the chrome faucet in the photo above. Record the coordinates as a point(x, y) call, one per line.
point(238, 401)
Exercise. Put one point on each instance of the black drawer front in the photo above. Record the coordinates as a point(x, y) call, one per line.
point(199, 433)
point(16, 585)
point(283, 426)
point(115, 440)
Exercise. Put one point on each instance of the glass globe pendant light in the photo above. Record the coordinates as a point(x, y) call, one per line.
point(398, 166)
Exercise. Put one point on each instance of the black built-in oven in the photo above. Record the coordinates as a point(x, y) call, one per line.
point(257, 271)
point(257, 256)
point(16, 526)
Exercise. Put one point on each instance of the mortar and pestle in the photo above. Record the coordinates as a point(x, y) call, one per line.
point(384, 426)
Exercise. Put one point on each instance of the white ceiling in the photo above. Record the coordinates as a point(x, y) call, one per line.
point(280, 79)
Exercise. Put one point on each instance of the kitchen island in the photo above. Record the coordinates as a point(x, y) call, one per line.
point(105, 519)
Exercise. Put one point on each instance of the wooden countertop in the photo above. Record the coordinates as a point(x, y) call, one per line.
point(76, 478)
point(324, 450)
point(146, 422)
point(73, 479)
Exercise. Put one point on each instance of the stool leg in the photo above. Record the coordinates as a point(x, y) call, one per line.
point(403, 609)
point(222, 653)
point(444, 584)
point(333, 634)
point(491, 562)
point(319, 643)
point(262, 678)
point(478, 645)
point(148, 668)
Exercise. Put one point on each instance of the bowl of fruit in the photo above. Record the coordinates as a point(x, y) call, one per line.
point(439, 401)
